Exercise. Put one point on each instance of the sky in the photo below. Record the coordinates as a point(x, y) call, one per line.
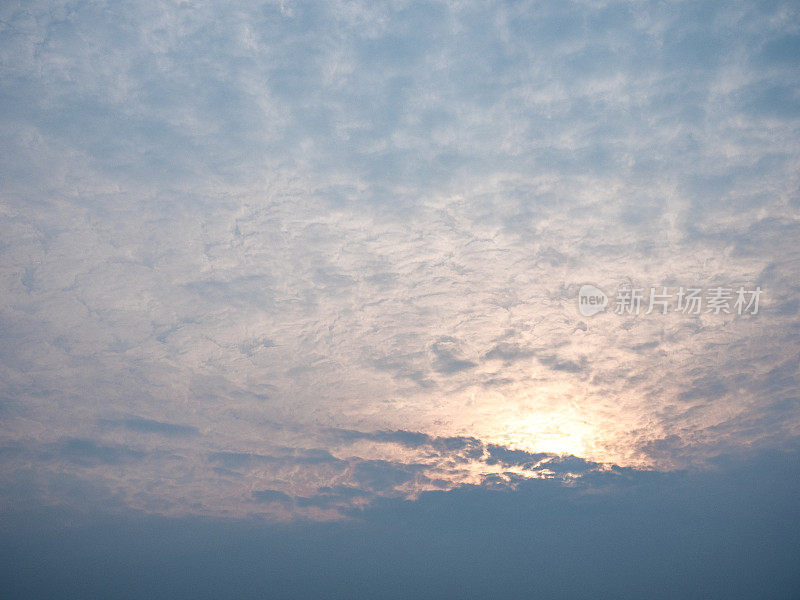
point(290, 299)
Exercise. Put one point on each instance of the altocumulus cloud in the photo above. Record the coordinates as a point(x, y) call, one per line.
point(290, 259)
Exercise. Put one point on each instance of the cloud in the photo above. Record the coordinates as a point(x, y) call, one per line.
point(247, 228)
point(269, 496)
point(447, 361)
point(542, 539)
point(380, 475)
point(87, 453)
point(141, 425)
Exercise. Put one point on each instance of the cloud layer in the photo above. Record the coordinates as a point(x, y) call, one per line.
point(238, 240)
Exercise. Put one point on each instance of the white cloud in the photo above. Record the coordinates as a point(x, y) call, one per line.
point(267, 222)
